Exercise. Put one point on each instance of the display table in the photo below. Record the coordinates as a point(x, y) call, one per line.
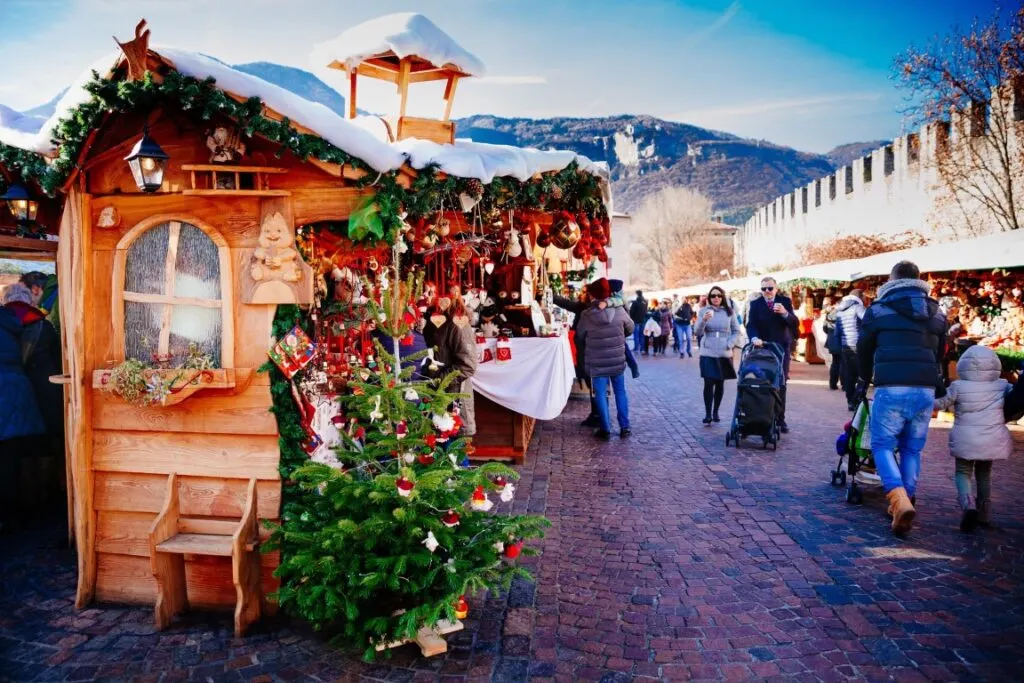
point(509, 397)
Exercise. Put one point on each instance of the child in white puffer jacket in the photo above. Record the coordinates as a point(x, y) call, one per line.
point(979, 435)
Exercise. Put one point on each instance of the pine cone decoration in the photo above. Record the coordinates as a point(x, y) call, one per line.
point(474, 187)
point(556, 192)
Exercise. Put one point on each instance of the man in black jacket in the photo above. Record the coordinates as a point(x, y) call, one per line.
point(638, 314)
point(900, 348)
point(771, 319)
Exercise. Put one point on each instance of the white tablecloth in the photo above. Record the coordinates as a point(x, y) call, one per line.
point(536, 382)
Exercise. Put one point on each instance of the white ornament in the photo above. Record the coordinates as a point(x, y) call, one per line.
point(409, 457)
point(411, 395)
point(455, 461)
point(430, 541)
point(376, 414)
point(449, 566)
point(444, 422)
point(507, 493)
point(499, 546)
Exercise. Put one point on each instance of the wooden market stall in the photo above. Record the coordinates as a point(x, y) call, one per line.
point(194, 202)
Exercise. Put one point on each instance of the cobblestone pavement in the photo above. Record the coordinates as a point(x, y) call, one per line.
point(671, 557)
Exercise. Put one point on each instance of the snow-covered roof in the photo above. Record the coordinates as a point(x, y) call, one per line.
point(363, 138)
point(407, 34)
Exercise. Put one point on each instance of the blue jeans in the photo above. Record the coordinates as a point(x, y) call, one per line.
point(638, 337)
point(899, 418)
point(621, 400)
point(683, 332)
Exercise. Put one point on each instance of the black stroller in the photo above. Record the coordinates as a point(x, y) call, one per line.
point(758, 395)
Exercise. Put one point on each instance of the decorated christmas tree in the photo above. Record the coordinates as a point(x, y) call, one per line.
point(396, 538)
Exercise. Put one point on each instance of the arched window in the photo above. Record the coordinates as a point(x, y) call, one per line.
point(172, 291)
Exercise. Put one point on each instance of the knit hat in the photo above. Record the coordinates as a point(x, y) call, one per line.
point(615, 285)
point(599, 289)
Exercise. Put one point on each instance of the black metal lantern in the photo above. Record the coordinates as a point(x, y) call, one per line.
point(147, 162)
point(21, 203)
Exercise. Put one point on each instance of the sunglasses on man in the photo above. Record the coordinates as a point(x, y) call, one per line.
point(767, 289)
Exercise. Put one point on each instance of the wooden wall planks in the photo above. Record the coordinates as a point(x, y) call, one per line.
point(210, 455)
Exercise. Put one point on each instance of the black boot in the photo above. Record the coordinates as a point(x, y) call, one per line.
point(706, 420)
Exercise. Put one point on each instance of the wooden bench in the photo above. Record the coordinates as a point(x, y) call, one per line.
point(172, 537)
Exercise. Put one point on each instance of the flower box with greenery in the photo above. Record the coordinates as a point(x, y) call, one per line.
point(392, 541)
point(156, 384)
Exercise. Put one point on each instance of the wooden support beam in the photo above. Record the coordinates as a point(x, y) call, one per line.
point(403, 87)
point(449, 96)
point(352, 76)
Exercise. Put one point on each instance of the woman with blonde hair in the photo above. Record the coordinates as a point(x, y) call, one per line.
point(718, 328)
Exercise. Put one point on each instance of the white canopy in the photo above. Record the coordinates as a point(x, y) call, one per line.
point(1001, 250)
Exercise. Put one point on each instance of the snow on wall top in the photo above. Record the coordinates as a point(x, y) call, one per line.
point(406, 34)
point(363, 138)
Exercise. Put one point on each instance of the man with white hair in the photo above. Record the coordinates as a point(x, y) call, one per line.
point(771, 319)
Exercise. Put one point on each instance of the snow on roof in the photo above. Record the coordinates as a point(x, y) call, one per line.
point(364, 138)
point(406, 34)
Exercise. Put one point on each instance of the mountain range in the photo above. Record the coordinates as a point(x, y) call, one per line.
point(644, 153)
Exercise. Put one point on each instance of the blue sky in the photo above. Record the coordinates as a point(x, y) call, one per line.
point(806, 73)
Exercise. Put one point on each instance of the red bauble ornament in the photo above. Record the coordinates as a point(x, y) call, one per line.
point(499, 483)
point(401, 430)
point(513, 549)
point(430, 439)
point(426, 459)
point(450, 519)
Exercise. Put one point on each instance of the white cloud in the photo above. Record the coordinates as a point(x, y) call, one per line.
point(719, 23)
point(510, 80)
point(743, 111)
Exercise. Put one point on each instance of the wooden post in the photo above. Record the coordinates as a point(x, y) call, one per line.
point(449, 95)
point(352, 75)
point(403, 88)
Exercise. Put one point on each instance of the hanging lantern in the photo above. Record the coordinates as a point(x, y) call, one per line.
point(21, 203)
point(147, 161)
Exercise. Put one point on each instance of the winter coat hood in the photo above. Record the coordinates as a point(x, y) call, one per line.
point(848, 301)
point(979, 364)
point(909, 298)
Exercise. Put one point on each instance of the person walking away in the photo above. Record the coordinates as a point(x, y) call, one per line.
point(849, 314)
point(979, 435)
point(20, 421)
point(652, 328)
point(638, 314)
point(604, 328)
point(771, 319)
point(617, 301)
point(676, 303)
point(664, 318)
point(834, 346)
point(577, 307)
point(901, 340)
point(682, 319)
point(718, 327)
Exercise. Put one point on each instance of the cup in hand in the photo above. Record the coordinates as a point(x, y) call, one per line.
point(779, 308)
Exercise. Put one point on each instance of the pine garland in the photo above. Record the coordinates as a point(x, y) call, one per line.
point(569, 189)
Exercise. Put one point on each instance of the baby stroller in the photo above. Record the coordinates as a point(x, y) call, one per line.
point(855, 459)
point(758, 397)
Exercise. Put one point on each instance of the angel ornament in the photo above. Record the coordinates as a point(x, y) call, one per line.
point(514, 249)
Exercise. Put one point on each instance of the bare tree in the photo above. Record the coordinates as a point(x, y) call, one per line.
point(857, 246)
point(665, 222)
point(976, 78)
point(701, 259)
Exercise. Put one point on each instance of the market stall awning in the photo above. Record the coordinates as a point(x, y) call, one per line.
point(1002, 250)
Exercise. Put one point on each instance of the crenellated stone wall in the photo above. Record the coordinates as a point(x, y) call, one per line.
point(893, 190)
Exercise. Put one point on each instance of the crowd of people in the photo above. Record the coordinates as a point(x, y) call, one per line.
point(31, 407)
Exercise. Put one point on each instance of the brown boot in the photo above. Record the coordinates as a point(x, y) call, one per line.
point(901, 510)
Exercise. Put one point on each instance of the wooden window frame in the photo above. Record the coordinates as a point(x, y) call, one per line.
point(120, 296)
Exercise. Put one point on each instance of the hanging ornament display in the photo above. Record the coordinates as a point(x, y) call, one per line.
point(479, 501)
point(450, 519)
point(376, 413)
